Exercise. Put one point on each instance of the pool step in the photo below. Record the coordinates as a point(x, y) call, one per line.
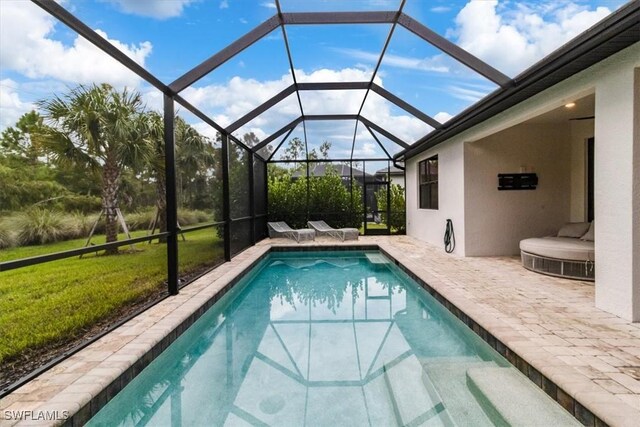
point(449, 377)
point(511, 399)
point(414, 403)
point(377, 259)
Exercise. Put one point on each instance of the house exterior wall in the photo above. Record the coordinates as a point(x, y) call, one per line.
point(397, 180)
point(429, 225)
point(617, 162)
point(496, 220)
point(616, 184)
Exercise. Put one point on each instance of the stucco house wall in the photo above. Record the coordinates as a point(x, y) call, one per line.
point(614, 81)
point(496, 220)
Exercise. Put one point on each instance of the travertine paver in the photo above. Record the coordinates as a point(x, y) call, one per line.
point(551, 323)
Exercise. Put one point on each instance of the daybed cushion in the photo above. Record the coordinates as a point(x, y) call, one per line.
point(573, 229)
point(589, 235)
point(560, 248)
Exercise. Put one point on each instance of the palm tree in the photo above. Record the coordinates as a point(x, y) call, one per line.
point(154, 134)
point(100, 129)
point(193, 156)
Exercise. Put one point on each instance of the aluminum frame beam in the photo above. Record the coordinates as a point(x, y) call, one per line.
point(367, 17)
point(454, 51)
point(261, 109)
point(202, 116)
point(293, 72)
point(280, 143)
point(67, 18)
point(394, 23)
point(333, 86)
point(405, 106)
point(213, 62)
point(279, 132)
point(378, 141)
point(383, 132)
point(319, 117)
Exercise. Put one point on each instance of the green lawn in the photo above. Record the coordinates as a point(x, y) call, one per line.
point(55, 301)
point(373, 226)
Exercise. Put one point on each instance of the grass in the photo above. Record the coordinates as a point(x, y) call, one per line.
point(373, 226)
point(56, 301)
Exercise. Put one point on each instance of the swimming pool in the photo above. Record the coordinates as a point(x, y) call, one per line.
point(329, 338)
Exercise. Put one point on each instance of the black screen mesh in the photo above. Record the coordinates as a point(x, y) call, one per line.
point(240, 235)
point(259, 186)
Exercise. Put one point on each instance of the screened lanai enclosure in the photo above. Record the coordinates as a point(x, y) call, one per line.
point(188, 186)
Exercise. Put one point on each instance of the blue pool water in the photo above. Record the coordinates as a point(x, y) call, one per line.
point(329, 339)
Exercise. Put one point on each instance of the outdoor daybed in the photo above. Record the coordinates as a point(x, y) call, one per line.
point(570, 254)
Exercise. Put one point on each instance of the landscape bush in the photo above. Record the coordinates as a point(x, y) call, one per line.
point(140, 220)
point(329, 199)
point(397, 215)
point(7, 239)
point(37, 225)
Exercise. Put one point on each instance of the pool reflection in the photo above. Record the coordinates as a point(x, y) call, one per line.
point(310, 341)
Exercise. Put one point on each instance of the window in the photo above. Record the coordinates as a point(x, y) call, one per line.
point(428, 171)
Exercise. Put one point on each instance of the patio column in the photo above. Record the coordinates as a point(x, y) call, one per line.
point(617, 189)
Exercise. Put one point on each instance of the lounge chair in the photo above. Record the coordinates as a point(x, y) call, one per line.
point(282, 229)
point(343, 234)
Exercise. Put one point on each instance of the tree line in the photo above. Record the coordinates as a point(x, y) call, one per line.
point(95, 148)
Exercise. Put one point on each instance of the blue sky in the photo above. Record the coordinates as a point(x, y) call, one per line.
point(39, 57)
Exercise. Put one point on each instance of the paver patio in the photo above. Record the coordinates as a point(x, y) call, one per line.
point(551, 323)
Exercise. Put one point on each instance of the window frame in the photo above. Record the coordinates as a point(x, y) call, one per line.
point(428, 176)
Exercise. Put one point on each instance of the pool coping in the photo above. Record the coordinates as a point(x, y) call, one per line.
point(83, 398)
point(569, 403)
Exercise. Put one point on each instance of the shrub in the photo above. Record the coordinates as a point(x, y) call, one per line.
point(329, 199)
point(80, 203)
point(39, 226)
point(140, 220)
point(7, 239)
point(187, 217)
point(204, 216)
point(79, 224)
point(397, 215)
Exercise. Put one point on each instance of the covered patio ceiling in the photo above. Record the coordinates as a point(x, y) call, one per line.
point(390, 138)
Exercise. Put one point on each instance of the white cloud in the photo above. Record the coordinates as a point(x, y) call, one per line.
point(11, 106)
point(443, 117)
point(512, 40)
point(26, 46)
point(466, 92)
point(243, 21)
point(440, 9)
point(224, 4)
point(159, 9)
point(434, 63)
point(268, 5)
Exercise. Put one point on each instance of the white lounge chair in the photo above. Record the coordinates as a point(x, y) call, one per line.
point(282, 229)
point(343, 234)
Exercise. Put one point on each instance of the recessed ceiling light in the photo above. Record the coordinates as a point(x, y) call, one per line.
point(570, 105)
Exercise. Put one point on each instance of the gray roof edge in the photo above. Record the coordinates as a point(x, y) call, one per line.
point(626, 19)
